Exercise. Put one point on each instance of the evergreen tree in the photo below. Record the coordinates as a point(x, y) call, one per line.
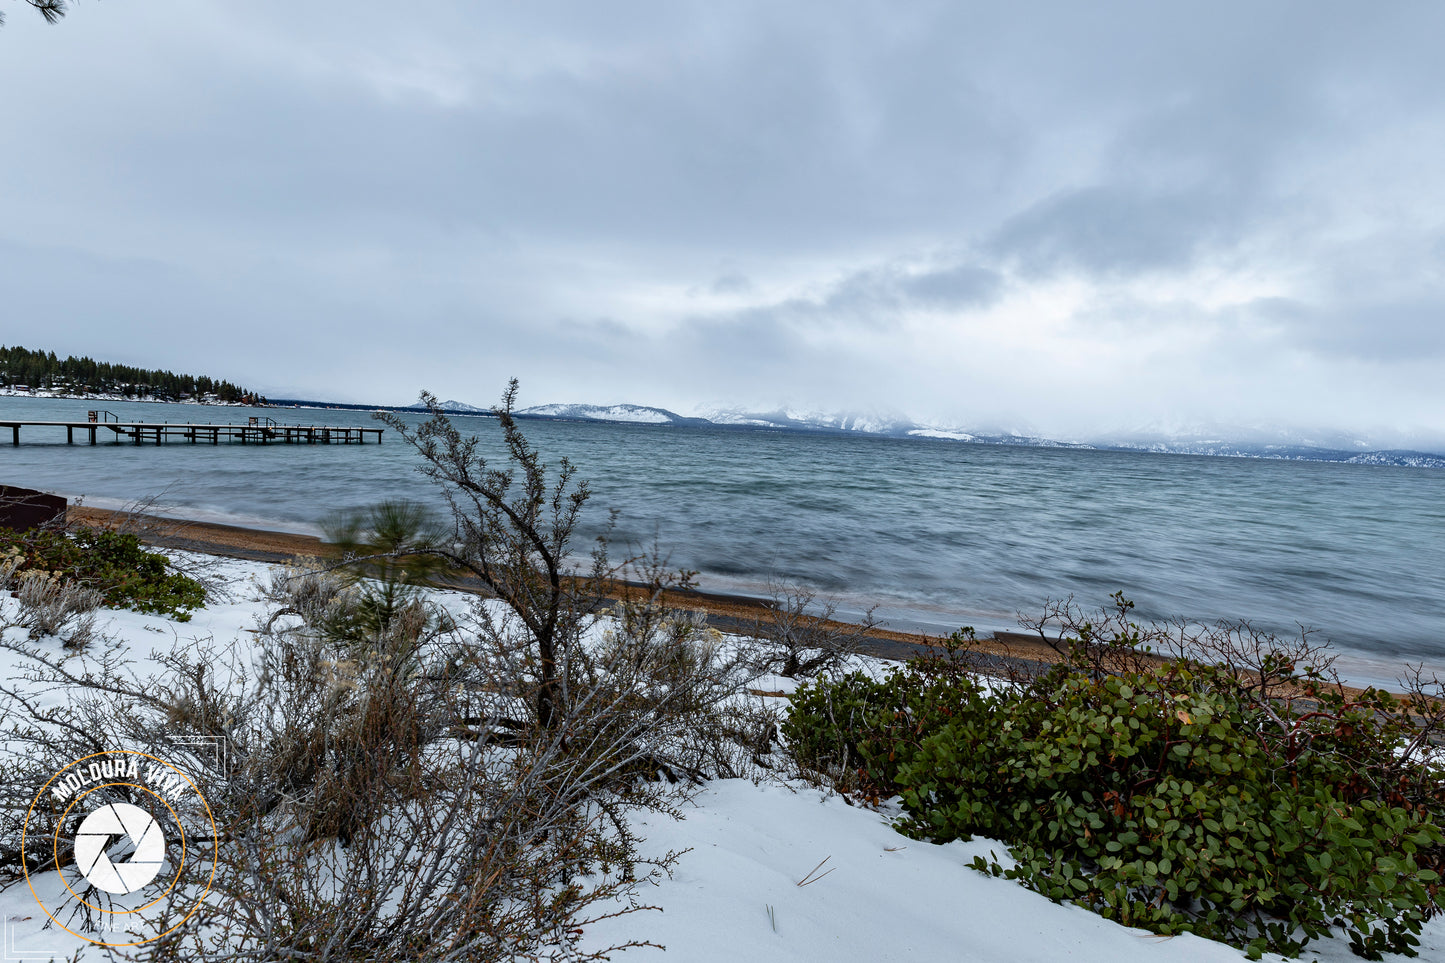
point(44, 369)
point(51, 10)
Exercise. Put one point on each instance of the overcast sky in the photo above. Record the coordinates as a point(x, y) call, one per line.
point(1064, 217)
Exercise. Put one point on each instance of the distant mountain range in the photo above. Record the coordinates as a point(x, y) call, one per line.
point(1387, 456)
point(627, 414)
point(1247, 443)
point(1283, 446)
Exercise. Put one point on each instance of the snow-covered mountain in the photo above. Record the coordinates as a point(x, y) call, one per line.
point(454, 408)
point(1175, 432)
point(943, 434)
point(1380, 447)
point(1234, 441)
point(1229, 449)
point(627, 414)
point(872, 423)
point(1407, 459)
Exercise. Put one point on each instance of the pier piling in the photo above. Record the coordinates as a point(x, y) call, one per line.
point(256, 432)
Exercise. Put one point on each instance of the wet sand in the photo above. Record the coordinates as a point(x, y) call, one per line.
point(728, 613)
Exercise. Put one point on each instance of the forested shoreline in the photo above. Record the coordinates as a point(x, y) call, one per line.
point(22, 368)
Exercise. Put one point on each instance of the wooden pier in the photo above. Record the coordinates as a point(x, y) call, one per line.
point(258, 430)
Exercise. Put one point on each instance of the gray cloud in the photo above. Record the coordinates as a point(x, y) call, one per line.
point(732, 283)
point(878, 296)
point(846, 203)
point(963, 285)
point(1379, 332)
point(1110, 231)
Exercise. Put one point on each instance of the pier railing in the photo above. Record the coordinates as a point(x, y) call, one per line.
point(259, 430)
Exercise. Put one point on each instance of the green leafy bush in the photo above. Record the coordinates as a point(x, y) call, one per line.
point(1171, 798)
point(858, 730)
point(112, 563)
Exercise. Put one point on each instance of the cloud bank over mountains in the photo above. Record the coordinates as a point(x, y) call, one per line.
point(1218, 441)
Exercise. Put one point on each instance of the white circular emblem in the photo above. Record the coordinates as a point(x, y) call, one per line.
point(141, 830)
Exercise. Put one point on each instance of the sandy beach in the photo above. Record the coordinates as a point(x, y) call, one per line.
point(725, 612)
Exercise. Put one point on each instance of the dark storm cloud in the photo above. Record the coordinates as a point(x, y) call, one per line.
point(665, 202)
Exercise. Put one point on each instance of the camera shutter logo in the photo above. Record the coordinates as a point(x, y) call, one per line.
point(95, 835)
point(119, 848)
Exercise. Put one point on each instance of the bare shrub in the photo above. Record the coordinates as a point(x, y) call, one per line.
point(1104, 642)
point(1108, 642)
point(513, 528)
point(1423, 704)
point(679, 681)
point(10, 563)
point(1264, 663)
point(361, 815)
point(306, 588)
point(799, 635)
point(512, 531)
point(53, 605)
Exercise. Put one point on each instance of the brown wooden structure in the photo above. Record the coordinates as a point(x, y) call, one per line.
point(22, 509)
point(258, 430)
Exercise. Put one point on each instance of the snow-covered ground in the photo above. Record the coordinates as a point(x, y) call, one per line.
point(876, 896)
point(632, 414)
point(775, 871)
point(210, 400)
point(947, 434)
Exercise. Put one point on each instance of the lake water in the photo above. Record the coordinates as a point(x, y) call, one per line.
point(939, 534)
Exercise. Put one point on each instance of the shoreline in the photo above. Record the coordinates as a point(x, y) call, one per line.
point(728, 613)
point(735, 614)
point(48, 395)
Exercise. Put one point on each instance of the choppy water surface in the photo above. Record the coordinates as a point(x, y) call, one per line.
point(939, 533)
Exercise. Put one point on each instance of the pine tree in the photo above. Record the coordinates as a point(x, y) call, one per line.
point(51, 10)
point(44, 369)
